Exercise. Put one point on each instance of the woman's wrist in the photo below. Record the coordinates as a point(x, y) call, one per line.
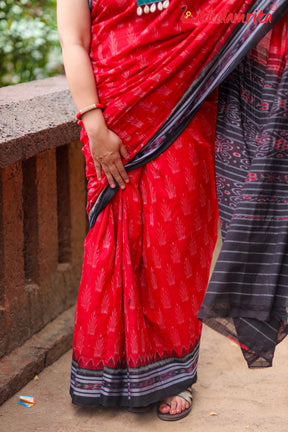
point(94, 121)
point(88, 108)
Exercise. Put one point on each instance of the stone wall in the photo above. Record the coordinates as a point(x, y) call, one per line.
point(42, 208)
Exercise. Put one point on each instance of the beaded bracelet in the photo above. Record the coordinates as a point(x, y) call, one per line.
point(88, 108)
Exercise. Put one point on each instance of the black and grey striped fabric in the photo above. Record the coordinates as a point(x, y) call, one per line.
point(136, 386)
point(248, 292)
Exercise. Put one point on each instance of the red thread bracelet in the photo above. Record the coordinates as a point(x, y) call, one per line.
point(88, 108)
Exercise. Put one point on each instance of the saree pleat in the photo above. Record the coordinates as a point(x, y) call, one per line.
point(247, 296)
point(146, 267)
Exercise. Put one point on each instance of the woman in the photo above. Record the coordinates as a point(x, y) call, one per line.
point(147, 257)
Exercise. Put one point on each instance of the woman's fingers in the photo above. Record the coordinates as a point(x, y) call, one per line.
point(98, 169)
point(109, 176)
point(122, 171)
point(123, 151)
point(116, 171)
point(119, 176)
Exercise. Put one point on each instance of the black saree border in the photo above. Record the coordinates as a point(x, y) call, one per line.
point(132, 387)
point(244, 38)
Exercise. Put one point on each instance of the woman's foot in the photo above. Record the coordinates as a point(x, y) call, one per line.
point(175, 407)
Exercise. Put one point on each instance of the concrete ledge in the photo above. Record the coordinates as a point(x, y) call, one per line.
point(45, 347)
point(29, 121)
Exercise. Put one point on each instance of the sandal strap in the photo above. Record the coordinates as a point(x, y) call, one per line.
point(187, 395)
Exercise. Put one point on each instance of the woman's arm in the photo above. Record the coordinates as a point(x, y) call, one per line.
point(74, 27)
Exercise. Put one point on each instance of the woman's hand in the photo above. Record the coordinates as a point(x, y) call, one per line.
point(106, 150)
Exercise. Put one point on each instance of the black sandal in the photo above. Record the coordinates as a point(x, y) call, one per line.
point(187, 395)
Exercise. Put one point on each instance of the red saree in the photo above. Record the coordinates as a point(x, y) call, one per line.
point(147, 258)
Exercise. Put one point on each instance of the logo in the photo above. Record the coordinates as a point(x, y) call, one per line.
point(191, 15)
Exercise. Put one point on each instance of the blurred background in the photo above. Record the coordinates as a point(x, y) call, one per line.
point(29, 45)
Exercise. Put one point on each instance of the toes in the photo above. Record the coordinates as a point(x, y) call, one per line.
point(179, 406)
point(164, 408)
point(182, 404)
point(174, 406)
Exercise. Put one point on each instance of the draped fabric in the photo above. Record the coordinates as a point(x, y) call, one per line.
point(140, 60)
point(247, 296)
point(147, 257)
point(252, 27)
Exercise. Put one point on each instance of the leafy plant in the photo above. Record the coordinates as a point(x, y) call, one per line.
point(29, 46)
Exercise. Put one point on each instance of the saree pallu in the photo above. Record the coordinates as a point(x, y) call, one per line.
point(247, 296)
point(147, 257)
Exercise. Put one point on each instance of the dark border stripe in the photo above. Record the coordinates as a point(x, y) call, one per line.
point(133, 386)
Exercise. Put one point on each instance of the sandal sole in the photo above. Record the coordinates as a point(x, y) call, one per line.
point(173, 417)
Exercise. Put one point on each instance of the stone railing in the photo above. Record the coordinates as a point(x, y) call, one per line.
point(42, 208)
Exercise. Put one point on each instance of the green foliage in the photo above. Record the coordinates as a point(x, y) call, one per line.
point(29, 45)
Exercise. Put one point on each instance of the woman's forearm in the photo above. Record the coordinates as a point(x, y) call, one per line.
point(82, 84)
point(74, 27)
point(107, 149)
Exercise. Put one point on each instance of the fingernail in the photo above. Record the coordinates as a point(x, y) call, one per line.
point(112, 185)
point(127, 180)
point(123, 187)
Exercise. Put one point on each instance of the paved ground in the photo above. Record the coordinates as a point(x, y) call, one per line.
point(228, 397)
point(239, 399)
